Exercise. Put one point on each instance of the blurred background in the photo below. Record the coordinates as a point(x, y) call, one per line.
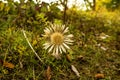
point(95, 53)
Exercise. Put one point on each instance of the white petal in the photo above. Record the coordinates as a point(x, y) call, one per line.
point(50, 28)
point(44, 35)
point(68, 40)
point(47, 30)
point(56, 55)
point(60, 49)
point(46, 45)
point(63, 49)
point(69, 36)
point(63, 27)
point(66, 30)
point(54, 51)
point(51, 48)
point(54, 28)
point(57, 49)
point(66, 46)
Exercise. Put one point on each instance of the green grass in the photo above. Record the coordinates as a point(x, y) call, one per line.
point(15, 49)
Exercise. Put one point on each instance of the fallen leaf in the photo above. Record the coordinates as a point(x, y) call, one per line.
point(1, 76)
point(68, 57)
point(75, 70)
point(1, 61)
point(9, 65)
point(99, 76)
point(48, 73)
point(80, 57)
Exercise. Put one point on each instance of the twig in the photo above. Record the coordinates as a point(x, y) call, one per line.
point(31, 45)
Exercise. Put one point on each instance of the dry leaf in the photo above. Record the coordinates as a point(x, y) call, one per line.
point(48, 73)
point(80, 57)
point(99, 76)
point(68, 57)
point(9, 65)
point(1, 76)
point(1, 61)
point(75, 70)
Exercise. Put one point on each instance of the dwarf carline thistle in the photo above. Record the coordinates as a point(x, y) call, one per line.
point(57, 40)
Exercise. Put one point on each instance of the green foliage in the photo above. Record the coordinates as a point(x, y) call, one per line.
point(113, 4)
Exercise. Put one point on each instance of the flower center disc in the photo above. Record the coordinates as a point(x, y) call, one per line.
point(57, 38)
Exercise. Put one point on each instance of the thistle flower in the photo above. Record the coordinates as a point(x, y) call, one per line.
point(57, 39)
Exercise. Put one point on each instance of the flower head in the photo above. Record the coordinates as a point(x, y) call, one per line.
point(57, 39)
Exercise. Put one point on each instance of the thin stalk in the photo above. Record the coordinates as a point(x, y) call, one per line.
point(31, 45)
